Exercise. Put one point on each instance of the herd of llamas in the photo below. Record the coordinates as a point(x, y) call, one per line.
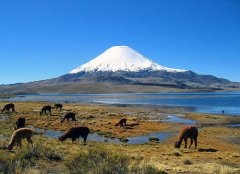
point(21, 132)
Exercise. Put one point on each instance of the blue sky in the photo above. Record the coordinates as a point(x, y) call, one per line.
point(42, 39)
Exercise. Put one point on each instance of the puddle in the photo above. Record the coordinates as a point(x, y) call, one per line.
point(176, 118)
point(163, 136)
point(234, 125)
point(99, 138)
point(3, 117)
point(3, 137)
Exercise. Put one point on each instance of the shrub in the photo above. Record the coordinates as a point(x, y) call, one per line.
point(98, 161)
point(187, 162)
point(145, 169)
point(176, 154)
point(26, 157)
point(7, 163)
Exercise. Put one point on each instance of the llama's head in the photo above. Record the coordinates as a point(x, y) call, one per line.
point(64, 136)
point(10, 146)
point(177, 144)
point(60, 138)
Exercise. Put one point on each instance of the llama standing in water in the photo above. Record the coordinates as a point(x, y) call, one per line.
point(9, 106)
point(20, 123)
point(69, 115)
point(18, 135)
point(122, 122)
point(74, 133)
point(46, 109)
point(185, 133)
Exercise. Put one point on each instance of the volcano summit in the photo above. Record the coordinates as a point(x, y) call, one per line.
point(121, 58)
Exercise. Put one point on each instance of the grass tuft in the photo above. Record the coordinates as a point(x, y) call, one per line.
point(98, 160)
point(187, 162)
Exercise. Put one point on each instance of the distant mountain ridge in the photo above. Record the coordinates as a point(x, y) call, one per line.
point(122, 69)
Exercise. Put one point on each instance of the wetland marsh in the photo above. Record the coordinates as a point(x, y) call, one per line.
point(218, 149)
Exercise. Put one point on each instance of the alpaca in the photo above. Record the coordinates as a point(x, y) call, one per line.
point(9, 106)
point(68, 116)
point(20, 123)
point(20, 134)
point(185, 133)
point(58, 106)
point(45, 109)
point(74, 133)
point(122, 122)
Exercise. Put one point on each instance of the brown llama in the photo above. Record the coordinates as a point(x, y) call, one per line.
point(20, 123)
point(58, 106)
point(9, 106)
point(68, 116)
point(122, 122)
point(185, 133)
point(45, 109)
point(74, 133)
point(18, 135)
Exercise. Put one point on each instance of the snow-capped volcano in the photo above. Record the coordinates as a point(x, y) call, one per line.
point(121, 58)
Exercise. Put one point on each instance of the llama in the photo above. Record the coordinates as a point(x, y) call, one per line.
point(18, 135)
point(122, 122)
point(74, 133)
point(9, 106)
point(45, 109)
point(20, 123)
point(58, 106)
point(185, 133)
point(68, 116)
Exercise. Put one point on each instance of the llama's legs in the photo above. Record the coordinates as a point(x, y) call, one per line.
point(195, 142)
point(20, 143)
point(73, 139)
point(84, 139)
point(190, 143)
point(185, 141)
point(30, 141)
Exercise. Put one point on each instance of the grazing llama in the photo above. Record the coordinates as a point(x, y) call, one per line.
point(9, 106)
point(18, 135)
point(20, 123)
point(69, 115)
point(58, 106)
point(74, 133)
point(45, 109)
point(122, 122)
point(185, 133)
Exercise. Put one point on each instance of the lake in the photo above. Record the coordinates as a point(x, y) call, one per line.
point(203, 102)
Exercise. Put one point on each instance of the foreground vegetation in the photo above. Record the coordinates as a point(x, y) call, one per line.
point(95, 160)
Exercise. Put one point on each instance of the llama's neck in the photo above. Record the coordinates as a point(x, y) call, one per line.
point(65, 136)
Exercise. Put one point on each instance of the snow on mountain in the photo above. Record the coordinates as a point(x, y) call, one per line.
point(121, 58)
